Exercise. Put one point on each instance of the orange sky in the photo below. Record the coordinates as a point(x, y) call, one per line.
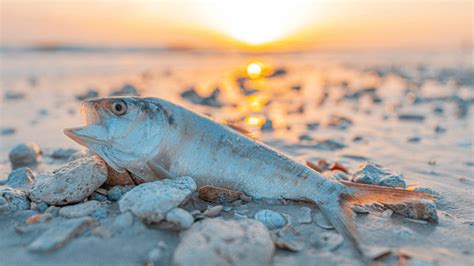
point(289, 24)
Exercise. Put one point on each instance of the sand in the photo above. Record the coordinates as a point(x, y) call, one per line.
point(433, 151)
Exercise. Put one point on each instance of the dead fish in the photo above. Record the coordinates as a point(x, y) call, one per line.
point(152, 138)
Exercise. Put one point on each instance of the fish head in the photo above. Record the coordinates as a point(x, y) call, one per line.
point(121, 130)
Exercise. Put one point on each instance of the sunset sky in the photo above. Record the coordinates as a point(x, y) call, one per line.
point(286, 24)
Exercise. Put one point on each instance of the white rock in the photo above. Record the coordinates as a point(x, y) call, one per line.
point(12, 200)
point(151, 201)
point(122, 221)
point(20, 178)
point(180, 217)
point(79, 210)
point(270, 218)
point(71, 183)
point(219, 242)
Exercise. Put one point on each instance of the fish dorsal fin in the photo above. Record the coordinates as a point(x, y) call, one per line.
point(241, 130)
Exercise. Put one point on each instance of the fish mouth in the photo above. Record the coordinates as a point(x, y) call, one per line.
point(93, 131)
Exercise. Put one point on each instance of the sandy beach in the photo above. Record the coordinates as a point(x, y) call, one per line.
point(410, 113)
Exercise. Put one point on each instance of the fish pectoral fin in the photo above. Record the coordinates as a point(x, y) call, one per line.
point(159, 170)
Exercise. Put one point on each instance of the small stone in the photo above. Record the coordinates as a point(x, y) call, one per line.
point(213, 211)
point(239, 216)
point(270, 218)
point(219, 242)
point(41, 206)
point(211, 100)
point(20, 178)
point(7, 131)
point(151, 201)
point(304, 216)
point(387, 213)
point(414, 139)
point(16, 200)
point(312, 126)
point(59, 235)
point(24, 155)
point(371, 173)
point(89, 94)
point(218, 195)
point(337, 175)
point(439, 129)
point(267, 126)
point(305, 137)
point(99, 197)
point(339, 122)
point(327, 241)
point(180, 217)
point(422, 210)
point(278, 73)
point(426, 190)
point(411, 117)
point(79, 210)
point(39, 218)
point(71, 183)
point(14, 95)
point(330, 145)
point(116, 193)
point(125, 90)
point(287, 238)
point(77, 155)
point(360, 209)
point(63, 153)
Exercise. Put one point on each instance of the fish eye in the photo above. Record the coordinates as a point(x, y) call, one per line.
point(119, 108)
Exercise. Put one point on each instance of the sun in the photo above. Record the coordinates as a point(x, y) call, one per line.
point(257, 22)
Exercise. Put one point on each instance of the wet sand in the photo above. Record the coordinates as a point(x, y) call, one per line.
point(410, 113)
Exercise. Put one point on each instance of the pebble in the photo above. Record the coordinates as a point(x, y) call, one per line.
point(13, 200)
point(327, 241)
point(71, 183)
point(330, 145)
point(102, 232)
point(63, 153)
point(426, 190)
point(278, 73)
point(219, 242)
point(267, 126)
point(218, 195)
point(180, 217)
point(39, 218)
point(7, 131)
point(213, 211)
point(20, 178)
point(288, 238)
point(439, 129)
point(100, 213)
point(116, 193)
point(411, 117)
point(414, 139)
point(41, 206)
point(270, 219)
point(24, 154)
point(89, 94)
point(360, 209)
point(304, 216)
point(125, 90)
point(239, 216)
point(387, 213)
point(59, 235)
point(151, 201)
point(339, 122)
point(312, 126)
point(337, 175)
point(423, 210)
point(98, 197)
point(79, 210)
point(371, 173)
point(14, 95)
point(211, 100)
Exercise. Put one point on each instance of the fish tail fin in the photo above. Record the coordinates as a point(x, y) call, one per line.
point(339, 213)
point(406, 202)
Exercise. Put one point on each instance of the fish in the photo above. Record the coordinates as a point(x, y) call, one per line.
point(152, 139)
